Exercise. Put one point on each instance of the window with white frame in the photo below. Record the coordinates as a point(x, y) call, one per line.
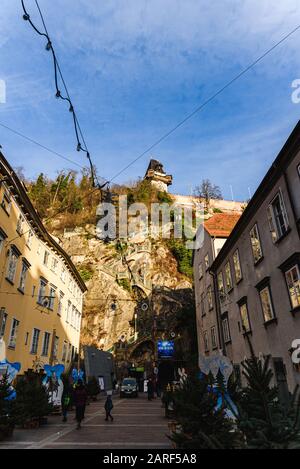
point(245, 317)
point(30, 239)
point(228, 277)
point(226, 330)
point(23, 275)
point(3, 321)
point(6, 202)
point(54, 264)
point(46, 343)
point(202, 301)
point(55, 347)
point(42, 291)
point(63, 274)
point(35, 340)
point(13, 333)
point(46, 258)
point(205, 339)
point(266, 303)
point(237, 266)
point(64, 351)
point(20, 225)
point(52, 296)
point(256, 244)
point(69, 306)
point(210, 298)
point(293, 282)
point(69, 356)
point(60, 303)
point(278, 220)
point(12, 264)
point(221, 285)
point(213, 332)
point(2, 239)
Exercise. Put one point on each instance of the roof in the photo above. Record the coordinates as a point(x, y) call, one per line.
point(18, 189)
point(155, 165)
point(288, 152)
point(221, 225)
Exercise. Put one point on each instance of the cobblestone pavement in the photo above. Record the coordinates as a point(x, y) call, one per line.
point(137, 423)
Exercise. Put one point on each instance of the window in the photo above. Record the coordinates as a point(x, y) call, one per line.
point(55, 347)
point(3, 320)
point(64, 351)
point(68, 311)
point(203, 312)
point(200, 270)
point(35, 341)
point(226, 330)
point(12, 265)
point(221, 285)
point(293, 283)
point(6, 202)
point(20, 225)
point(205, 339)
point(29, 239)
point(73, 316)
point(214, 337)
point(277, 216)
point(13, 333)
point(237, 266)
point(42, 292)
point(245, 317)
point(69, 352)
point(60, 303)
point(46, 258)
point(39, 249)
point(210, 298)
point(63, 275)
point(206, 261)
point(52, 295)
point(228, 278)
point(23, 275)
point(3, 236)
point(266, 303)
point(54, 264)
point(46, 343)
point(256, 244)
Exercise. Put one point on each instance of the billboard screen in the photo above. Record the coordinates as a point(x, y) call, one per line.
point(165, 348)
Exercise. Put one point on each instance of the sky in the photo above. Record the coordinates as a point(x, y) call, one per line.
point(134, 69)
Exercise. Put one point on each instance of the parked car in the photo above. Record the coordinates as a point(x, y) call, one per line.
point(129, 387)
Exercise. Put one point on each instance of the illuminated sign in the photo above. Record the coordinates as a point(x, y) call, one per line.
point(165, 348)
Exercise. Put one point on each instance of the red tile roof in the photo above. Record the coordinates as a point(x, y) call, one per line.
point(221, 225)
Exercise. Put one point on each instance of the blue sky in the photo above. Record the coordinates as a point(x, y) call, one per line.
point(135, 68)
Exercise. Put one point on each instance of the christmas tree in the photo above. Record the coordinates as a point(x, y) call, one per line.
point(265, 422)
point(203, 424)
point(32, 399)
point(6, 408)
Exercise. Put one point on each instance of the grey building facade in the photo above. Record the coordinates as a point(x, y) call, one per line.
point(258, 271)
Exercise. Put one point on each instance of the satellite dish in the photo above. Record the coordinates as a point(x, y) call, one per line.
point(145, 306)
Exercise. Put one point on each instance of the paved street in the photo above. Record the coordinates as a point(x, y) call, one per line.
point(137, 424)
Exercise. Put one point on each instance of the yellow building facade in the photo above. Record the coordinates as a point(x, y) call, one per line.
point(41, 292)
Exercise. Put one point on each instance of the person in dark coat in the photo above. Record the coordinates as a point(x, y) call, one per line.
point(80, 398)
point(150, 389)
point(108, 406)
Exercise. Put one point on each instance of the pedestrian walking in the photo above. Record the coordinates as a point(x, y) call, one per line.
point(150, 389)
point(65, 402)
point(80, 398)
point(108, 406)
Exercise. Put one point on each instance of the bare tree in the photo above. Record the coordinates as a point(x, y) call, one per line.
point(207, 191)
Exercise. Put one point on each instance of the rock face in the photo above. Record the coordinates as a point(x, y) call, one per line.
point(127, 284)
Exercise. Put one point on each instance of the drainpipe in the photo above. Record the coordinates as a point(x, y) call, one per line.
point(218, 313)
point(291, 202)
